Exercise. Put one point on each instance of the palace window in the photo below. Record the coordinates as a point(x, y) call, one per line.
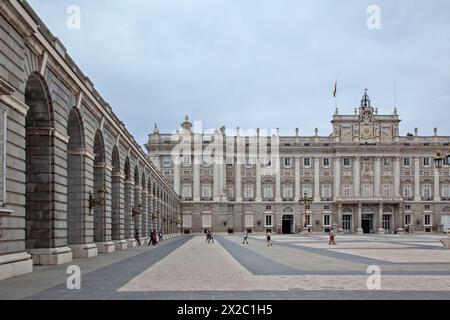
point(326, 191)
point(308, 220)
point(308, 189)
point(326, 162)
point(326, 220)
point(306, 162)
point(206, 190)
point(407, 162)
point(187, 161)
point(445, 191)
point(407, 191)
point(387, 190)
point(347, 162)
point(268, 220)
point(167, 161)
point(347, 190)
point(268, 191)
point(426, 162)
point(427, 191)
point(248, 163)
point(407, 219)
point(287, 162)
point(366, 190)
point(427, 219)
point(248, 191)
point(387, 162)
point(287, 191)
point(186, 190)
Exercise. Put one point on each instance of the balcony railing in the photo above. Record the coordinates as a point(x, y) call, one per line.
point(408, 198)
point(427, 198)
point(206, 199)
point(288, 199)
point(268, 199)
point(326, 199)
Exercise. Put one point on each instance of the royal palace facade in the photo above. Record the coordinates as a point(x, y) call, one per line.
point(362, 178)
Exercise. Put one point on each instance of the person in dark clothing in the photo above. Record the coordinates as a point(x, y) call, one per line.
point(136, 236)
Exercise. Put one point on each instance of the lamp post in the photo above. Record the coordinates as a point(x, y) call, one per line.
point(306, 201)
point(439, 160)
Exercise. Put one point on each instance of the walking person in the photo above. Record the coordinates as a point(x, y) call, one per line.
point(268, 237)
point(160, 236)
point(136, 236)
point(332, 238)
point(245, 237)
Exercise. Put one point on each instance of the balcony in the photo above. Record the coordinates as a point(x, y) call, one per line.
point(206, 199)
point(427, 198)
point(326, 199)
point(186, 199)
point(408, 198)
point(268, 199)
point(249, 199)
point(288, 199)
point(445, 198)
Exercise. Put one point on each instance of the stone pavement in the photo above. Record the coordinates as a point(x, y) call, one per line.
point(412, 267)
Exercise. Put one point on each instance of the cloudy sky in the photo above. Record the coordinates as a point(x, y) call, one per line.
point(260, 63)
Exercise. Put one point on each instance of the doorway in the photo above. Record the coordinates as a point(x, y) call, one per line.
point(288, 224)
point(367, 223)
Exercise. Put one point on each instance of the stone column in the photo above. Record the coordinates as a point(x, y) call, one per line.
point(436, 189)
point(277, 179)
point(258, 180)
point(357, 177)
point(316, 179)
point(196, 172)
point(224, 180)
point(397, 192)
point(359, 229)
point(380, 218)
point(144, 213)
point(339, 222)
point(237, 179)
point(377, 178)
point(417, 196)
point(337, 179)
point(176, 176)
point(216, 180)
point(297, 178)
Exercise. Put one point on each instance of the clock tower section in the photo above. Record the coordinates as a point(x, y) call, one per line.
point(366, 126)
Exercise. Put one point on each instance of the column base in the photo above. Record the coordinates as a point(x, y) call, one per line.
point(105, 247)
point(359, 231)
point(51, 256)
point(400, 231)
point(87, 250)
point(16, 264)
point(380, 231)
point(120, 244)
point(131, 243)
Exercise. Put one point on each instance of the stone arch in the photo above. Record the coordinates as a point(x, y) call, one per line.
point(75, 178)
point(39, 166)
point(347, 210)
point(127, 198)
point(116, 214)
point(99, 184)
point(287, 220)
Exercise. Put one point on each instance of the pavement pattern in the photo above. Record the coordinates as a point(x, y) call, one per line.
point(188, 268)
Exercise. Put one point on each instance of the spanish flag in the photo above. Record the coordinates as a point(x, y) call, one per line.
point(335, 89)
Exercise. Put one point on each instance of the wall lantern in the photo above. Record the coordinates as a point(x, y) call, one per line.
point(97, 201)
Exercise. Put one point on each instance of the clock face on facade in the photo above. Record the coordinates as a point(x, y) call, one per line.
point(366, 131)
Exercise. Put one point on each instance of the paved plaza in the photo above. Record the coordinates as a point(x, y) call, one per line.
point(411, 266)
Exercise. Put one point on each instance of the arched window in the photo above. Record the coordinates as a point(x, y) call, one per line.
point(347, 210)
point(287, 191)
point(427, 190)
point(445, 190)
point(248, 191)
point(206, 190)
point(268, 191)
point(387, 190)
point(186, 191)
point(326, 191)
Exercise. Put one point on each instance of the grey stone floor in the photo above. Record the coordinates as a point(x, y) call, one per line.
point(104, 275)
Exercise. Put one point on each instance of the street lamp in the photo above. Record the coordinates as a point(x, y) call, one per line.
point(306, 201)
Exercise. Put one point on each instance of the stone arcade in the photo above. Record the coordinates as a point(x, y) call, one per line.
point(62, 149)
